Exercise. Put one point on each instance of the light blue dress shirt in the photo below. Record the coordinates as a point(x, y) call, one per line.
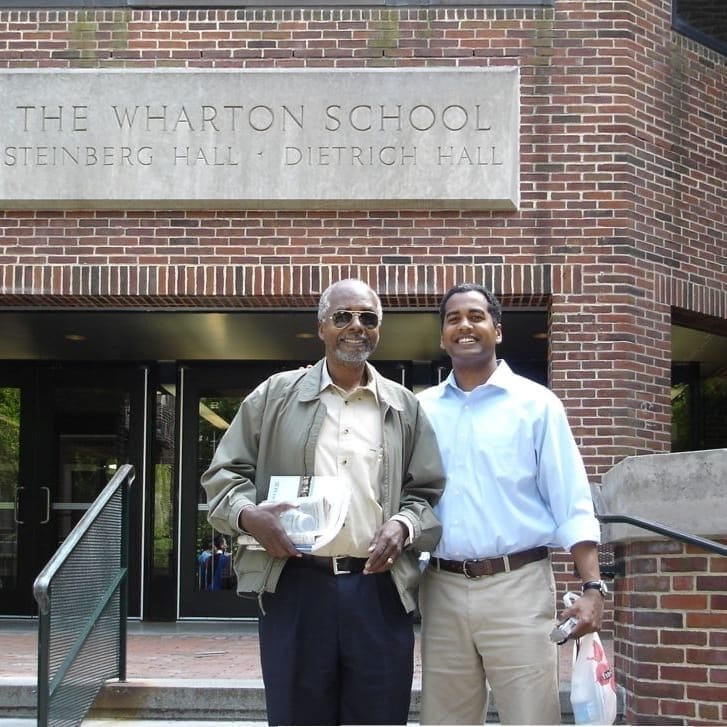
point(515, 477)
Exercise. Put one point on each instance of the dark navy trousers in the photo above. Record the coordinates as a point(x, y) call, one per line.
point(335, 649)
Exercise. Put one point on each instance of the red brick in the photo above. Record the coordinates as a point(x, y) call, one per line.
point(706, 693)
point(683, 583)
point(707, 656)
point(670, 637)
point(643, 565)
point(658, 619)
point(705, 621)
point(718, 565)
point(684, 565)
point(683, 673)
point(651, 583)
point(709, 712)
point(661, 689)
point(642, 670)
point(712, 583)
point(660, 655)
point(685, 709)
point(684, 602)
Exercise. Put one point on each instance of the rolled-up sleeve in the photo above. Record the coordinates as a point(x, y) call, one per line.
point(563, 481)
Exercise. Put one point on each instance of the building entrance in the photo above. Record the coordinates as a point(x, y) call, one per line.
point(63, 433)
point(75, 403)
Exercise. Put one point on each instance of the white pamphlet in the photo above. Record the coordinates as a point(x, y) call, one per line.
point(322, 504)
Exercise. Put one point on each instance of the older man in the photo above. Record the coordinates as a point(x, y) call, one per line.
point(336, 636)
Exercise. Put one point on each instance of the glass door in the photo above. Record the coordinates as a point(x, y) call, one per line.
point(18, 503)
point(63, 433)
point(210, 398)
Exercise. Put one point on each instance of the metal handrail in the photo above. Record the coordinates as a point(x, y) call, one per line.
point(71, 648)
point(705, 543)
point(654, 527)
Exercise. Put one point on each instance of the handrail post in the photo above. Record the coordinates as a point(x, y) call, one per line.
point(43, 667)
point(124, 586)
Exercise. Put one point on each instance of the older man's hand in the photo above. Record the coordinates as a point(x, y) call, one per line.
point(263, 523)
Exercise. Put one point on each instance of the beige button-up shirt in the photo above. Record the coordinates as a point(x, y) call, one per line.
point(350, 447)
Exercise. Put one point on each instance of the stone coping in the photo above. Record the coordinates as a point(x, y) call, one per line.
point(684, 491)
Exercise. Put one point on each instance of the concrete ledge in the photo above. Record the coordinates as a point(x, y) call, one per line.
point(684, 491)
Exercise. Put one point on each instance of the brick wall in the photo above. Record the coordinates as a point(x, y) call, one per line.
point(622, 172)
point(671, 645)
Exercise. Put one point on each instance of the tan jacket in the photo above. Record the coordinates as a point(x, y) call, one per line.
point(275, 432)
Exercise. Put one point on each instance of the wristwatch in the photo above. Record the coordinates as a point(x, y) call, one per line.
point(599, 586)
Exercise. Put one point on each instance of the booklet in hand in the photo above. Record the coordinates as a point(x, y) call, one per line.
point(321, 508)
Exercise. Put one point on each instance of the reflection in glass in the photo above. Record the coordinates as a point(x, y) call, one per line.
point(163, 473)
point(214, 551)
point(94, 440)
point(9, 474)
point(214, 565)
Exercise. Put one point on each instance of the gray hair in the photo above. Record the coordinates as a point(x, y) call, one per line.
point(324, 304)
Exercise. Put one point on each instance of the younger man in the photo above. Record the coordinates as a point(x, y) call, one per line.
point(516, 485)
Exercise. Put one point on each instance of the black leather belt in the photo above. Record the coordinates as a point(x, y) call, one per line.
point(478, 567)
point(341, 565)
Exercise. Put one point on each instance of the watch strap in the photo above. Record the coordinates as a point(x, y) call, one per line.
point(599, 586)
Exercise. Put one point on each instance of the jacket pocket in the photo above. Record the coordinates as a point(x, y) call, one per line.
point(256, 572)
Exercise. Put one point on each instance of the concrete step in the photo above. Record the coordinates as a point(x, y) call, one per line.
point(185, 700)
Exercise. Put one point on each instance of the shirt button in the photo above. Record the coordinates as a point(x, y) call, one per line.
point(345, 431)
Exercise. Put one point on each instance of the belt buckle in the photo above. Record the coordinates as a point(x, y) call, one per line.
point(336, 570)
point(484, 561)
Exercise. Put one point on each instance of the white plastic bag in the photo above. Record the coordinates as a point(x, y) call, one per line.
point(593, 687)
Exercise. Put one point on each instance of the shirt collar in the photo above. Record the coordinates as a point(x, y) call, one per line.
point(327, 381)
point(502, 377)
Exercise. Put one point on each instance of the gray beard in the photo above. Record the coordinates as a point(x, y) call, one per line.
point(354, 357)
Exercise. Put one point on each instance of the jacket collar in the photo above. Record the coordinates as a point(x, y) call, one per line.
point(388, 391)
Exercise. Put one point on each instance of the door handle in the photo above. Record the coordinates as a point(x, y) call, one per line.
point(47, 505)
point(16, 509)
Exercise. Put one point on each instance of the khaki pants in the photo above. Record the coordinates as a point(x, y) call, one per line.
point(492, 629)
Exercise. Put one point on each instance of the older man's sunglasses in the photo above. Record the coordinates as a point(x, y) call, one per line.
point(343, 318)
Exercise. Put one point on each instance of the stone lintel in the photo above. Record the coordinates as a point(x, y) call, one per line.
point(425, 138)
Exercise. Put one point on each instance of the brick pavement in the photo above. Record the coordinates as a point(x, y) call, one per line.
point(187, 650)
point(182, 651)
